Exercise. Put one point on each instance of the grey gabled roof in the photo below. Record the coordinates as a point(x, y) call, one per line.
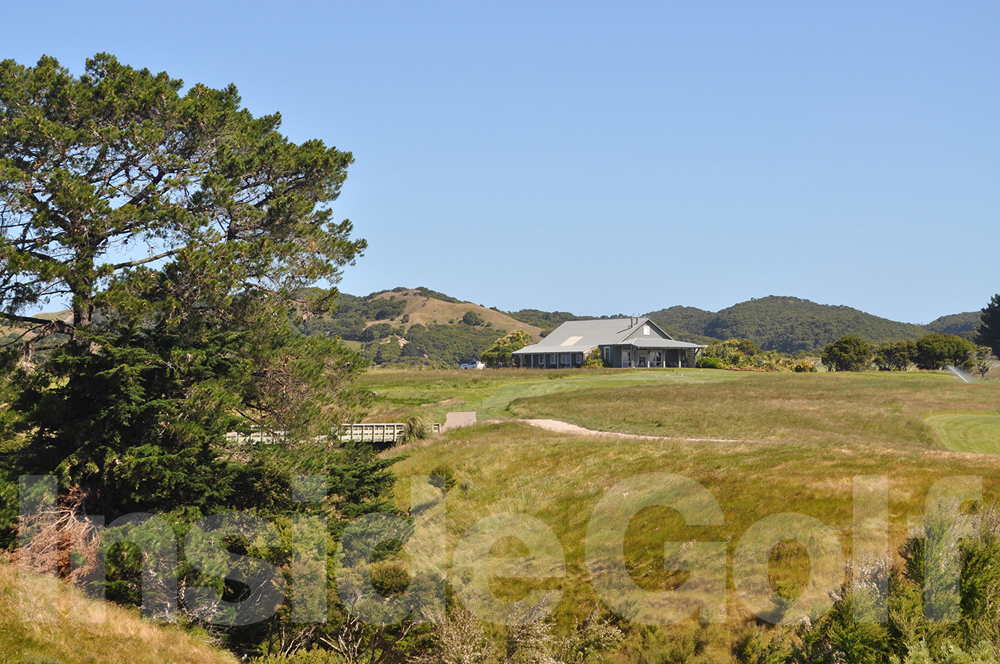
point(581, 336)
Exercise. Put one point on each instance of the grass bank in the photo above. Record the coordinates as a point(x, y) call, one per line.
point(801, 439)
point(88, 632)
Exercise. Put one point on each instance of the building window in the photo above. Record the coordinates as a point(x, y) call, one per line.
point(607, 353)
point(552, 359)
point(645, 330)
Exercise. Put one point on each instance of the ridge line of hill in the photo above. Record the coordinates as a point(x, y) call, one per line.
point(424, 327)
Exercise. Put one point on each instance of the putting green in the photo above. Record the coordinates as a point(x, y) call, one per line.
point(968, 433)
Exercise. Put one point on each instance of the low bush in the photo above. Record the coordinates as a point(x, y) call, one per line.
point(935, 351)
point(847, 354)
point(595, 360)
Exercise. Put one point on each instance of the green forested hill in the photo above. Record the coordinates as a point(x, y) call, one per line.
point(960, 324)
point(547, 320)
point(790, 324)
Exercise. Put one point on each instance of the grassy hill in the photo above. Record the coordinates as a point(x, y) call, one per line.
point(87, 632)
point(427, 308)
point(416, 327)
point(12, 332)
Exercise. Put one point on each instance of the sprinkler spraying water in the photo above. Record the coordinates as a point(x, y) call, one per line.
point(958, 372)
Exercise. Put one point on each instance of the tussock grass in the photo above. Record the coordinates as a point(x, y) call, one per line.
point(82, 634)
point(803, 440)
point(510, 467)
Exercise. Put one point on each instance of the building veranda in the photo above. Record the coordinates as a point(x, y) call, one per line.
point(623, 342)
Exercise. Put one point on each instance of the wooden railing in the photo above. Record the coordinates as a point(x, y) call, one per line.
point(378, 432)
point(381, 432)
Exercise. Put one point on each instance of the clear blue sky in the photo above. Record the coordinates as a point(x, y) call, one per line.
point(585, 157)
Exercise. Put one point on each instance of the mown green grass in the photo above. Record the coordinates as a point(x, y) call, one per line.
point(978, 433)
point(401, 394)
point(823, 408)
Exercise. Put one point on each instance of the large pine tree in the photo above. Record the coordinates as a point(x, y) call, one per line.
point(989, 329)
point(185, 234)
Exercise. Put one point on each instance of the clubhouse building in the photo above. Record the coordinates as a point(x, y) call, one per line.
point(623, 342)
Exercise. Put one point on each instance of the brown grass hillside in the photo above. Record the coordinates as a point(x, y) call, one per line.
point(428, 310)
point(86, 631)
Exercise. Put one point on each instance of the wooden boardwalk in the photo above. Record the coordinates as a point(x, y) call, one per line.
point(378, 432)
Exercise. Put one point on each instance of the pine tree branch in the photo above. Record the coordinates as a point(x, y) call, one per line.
point(143, 261)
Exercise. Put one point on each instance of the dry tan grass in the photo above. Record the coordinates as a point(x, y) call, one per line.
point(428, 310)
point(85, 631)
point(806, 438)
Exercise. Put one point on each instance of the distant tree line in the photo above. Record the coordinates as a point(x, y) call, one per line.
point(933, 351)
point(351, 319)
point(434, 345)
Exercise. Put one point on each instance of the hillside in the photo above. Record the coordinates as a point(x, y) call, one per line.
point(12, 332)
point(963, 325)
point(416, 327)
point(428, 308)
point(790, 324)
point(119, 638)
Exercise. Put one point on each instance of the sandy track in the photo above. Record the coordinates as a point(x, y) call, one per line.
point(558, 426)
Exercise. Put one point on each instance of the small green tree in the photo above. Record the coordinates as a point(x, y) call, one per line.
point(847, 354)
point(896, 355)
point(935, 351)
point(983, 359)
point(472, 319)
point(501, 353)
point(594, 360)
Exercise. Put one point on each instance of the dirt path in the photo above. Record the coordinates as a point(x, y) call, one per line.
point(458, 419)
point(558, 426)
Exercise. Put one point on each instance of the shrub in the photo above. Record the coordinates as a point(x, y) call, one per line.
point(847, 354)
point(896, 355)
point(732, 352)
point(415, 428)
point(472, 319)
point(595, 360)
point(805, 367)
point(500, 354)
point(935, 351)
point(710, 363)
point(443, 477)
